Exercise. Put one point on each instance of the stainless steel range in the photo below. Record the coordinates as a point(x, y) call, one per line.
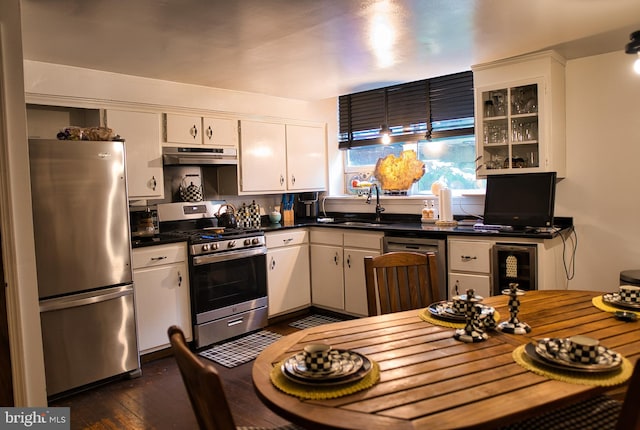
point(228, 279)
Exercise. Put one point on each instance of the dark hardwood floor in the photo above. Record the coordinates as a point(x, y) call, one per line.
point(158, 399)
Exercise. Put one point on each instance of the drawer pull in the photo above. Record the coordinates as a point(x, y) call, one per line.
point(288, 240)
point(467, 258)
point(231, 323)
point(158, 258)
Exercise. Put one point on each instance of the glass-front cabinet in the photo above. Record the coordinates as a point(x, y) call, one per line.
point(509, 128)
point(520, 110)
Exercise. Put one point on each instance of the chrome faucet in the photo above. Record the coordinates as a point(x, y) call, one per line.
point(379, 209)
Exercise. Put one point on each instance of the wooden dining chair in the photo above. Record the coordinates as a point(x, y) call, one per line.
point(600, 412)
point(204, 388)
point(400, 281)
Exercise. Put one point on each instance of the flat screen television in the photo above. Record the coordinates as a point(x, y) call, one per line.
point(520, 201)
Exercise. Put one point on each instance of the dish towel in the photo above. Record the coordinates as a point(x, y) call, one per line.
point(581, 378)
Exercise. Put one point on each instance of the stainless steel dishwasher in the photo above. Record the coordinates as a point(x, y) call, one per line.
point(422, 244)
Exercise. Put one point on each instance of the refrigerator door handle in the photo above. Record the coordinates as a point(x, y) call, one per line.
point(85, 298)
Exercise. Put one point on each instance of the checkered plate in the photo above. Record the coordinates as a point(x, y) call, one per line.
point(554, 352)
point(615, 300)
point(353, 367)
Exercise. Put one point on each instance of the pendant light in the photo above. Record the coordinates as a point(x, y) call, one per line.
point(633, 47)
point(385, 132)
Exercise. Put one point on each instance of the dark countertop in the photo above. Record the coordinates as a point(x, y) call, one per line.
point(405, 227)
point(420, 229)
point(158, 239)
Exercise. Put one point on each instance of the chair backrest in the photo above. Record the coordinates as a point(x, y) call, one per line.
point(630, 414)
point(400, 281)
point(203, 385)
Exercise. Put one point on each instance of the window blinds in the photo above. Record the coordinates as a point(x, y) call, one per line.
point(410, 110)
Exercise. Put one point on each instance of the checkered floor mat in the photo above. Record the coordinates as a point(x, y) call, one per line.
point(242, 350)
point(314, 320)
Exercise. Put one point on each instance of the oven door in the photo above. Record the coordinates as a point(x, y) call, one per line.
point(228, 282)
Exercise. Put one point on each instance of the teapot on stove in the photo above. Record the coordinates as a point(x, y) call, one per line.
point(227, 218)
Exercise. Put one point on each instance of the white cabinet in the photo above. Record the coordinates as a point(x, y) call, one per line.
point(471, 263)
point(190, 130)
point(262, 157)
point(276, 157)
point(306, 158)
point(161, 284)
point(520, 115)
point(141, 131)
point(337, 268)
point(469, 267)
point(288, 281)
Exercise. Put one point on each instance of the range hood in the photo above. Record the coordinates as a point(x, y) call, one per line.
point(197, 156)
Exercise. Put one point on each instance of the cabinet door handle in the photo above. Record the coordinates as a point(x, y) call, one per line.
point(281, 180)
point(158, 258)
point(468, 258)
point(154, 183)
point(335, 258)
point(209, 132)
point(273, 263)
point(193, 131)
point(293, 180)
point(179, 279)
point(456, 286)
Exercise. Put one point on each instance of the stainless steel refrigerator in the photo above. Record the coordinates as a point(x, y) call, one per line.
point(83, 257)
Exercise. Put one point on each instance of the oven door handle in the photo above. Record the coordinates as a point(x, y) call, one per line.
point(200, 260)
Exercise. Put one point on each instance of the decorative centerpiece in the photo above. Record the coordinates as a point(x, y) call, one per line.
point(514, 325)
point(474, 328)
point(397, 174)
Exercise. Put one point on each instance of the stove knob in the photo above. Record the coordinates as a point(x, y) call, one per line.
point(247, 242)
point(214, 246)
point(231, 244)
point(255, 241)
point(205, 247)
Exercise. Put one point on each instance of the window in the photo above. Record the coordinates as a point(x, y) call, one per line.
point(432, 117)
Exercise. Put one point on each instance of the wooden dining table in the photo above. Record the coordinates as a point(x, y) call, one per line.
point(429, 380)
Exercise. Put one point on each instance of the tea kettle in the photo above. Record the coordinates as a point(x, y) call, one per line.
point(227, 218)
point(190, 193)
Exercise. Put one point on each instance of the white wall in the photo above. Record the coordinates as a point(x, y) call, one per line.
point(603, 168)
point(15, 219)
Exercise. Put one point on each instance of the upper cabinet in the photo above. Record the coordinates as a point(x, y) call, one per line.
point(276, 157)
point(141, 132)
point(190, 130)
point(520, 115)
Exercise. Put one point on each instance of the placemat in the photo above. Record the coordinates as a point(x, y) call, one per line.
point(425, 315)
point(242, 350)
point(581, 378)
point(600, 304)
point(318, 392)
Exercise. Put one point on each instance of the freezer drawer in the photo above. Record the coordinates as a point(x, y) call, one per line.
point(88, 337)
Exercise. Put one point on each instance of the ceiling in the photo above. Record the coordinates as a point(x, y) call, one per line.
point(314, 49)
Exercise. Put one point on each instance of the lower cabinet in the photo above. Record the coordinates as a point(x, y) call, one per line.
point(337, 268)
point(288, 283)
point(161, 284)
point(488, 265)
point(469, 267)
